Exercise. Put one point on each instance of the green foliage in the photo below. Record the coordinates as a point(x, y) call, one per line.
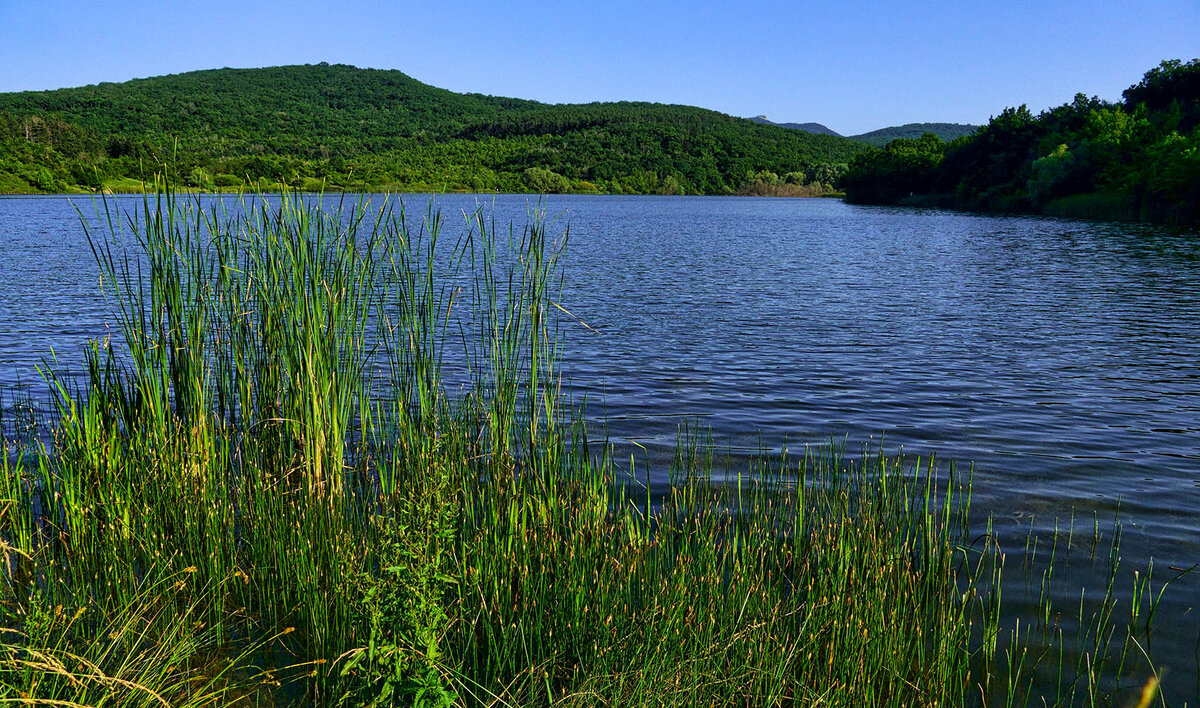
point(1171, 186)
point(903, 167)
point(1140, 155)
point(945, 131)
point(224, 181)
point(152, 650)
point(815, 128)
point(1052, 174)
point(1172, 89)
point(355, 129)
point(404, 606)
point(544, 181)
point(765, 183)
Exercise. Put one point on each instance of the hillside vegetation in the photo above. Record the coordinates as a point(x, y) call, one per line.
point(349, 128)
point(945, 131)
point(1138, 159)
point(817, 128)
point(883, 136)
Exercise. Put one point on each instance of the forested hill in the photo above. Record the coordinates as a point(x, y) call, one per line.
point(817, 128)
point(883, 136)
point(945, 131)
point(1135, 159)
point(350, 128)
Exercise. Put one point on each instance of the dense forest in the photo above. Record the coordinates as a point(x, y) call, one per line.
point(1138, 159)
point(339, 127)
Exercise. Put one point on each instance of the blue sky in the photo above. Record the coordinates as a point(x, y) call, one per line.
point(854, 66)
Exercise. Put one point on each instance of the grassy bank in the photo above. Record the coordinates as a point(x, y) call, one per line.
point(326, 461)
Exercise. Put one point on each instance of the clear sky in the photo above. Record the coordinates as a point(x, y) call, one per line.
point(854, 66)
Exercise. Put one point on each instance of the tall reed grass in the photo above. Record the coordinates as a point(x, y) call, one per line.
point(327, 461)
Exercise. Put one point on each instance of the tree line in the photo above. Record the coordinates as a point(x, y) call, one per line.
point(1137, 159)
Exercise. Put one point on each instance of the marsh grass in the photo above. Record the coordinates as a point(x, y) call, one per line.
point(328, 461)
point(152, 651)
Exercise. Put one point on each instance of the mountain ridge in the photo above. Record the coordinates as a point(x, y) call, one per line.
point(815, 128)
point(882, 136)
point(945, 131)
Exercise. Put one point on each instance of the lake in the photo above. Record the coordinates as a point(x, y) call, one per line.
point(1061, 358)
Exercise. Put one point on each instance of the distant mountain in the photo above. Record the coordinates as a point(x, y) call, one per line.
point(341, 127)
point(883, 136)
point(945, 131)
point(814, 128)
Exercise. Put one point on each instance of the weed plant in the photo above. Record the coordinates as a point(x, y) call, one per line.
point(327, 461)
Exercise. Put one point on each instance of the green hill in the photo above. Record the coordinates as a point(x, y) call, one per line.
point(1138, 159)
point(351, 128)
point(911, 131)
point(883, 136)
point(817, 128)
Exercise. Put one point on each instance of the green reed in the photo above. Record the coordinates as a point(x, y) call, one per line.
point(153, 651)
point(327, 460)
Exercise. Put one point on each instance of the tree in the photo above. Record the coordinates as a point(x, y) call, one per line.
point(545, 182)
point(1171, 87)
point(904, 167)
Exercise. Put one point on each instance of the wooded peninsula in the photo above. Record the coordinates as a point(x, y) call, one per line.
point(1138, 159)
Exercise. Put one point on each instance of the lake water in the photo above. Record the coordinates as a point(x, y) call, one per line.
point(1061, 358)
